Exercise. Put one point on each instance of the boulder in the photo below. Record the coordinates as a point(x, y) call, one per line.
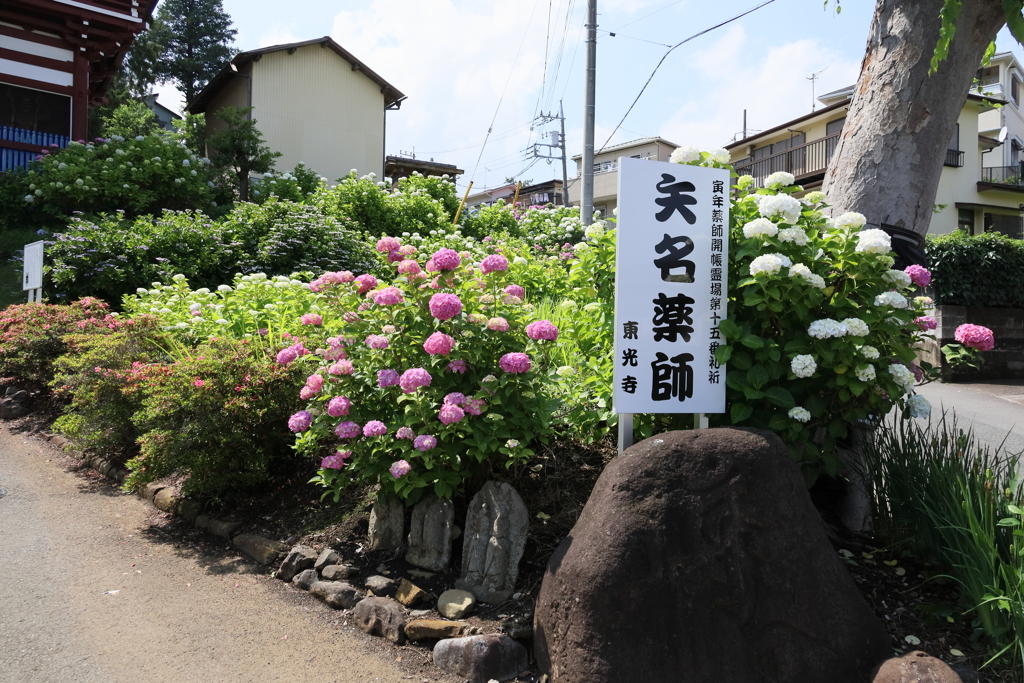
point(433, 629)
point(259, 548)
point(430, 534)
point(165, 499)
point(387, 523)
point(496, 526)
point(409, 593)
point(305, 579)
point(299, 558)
point(455, 604)
point(380, 585)
point(917, 667)
point(149, 491)
point(11, 409)
point(338, 572)
point(326, 558)
point(380, 617)
point(483, 658)
point(700, 552)
point(336, 594)
point(188, 509)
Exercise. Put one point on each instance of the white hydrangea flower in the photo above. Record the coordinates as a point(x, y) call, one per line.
point(866, 373)
point(519, 261)
point(224, 288)
point(719, 155)
point(222, 321)
point(177, 277)
point(815, 197)
point(873, 241)
point(856, 327)
point(198, 319)
point(194, 307)
point(594, 230)
point(779, 179)
point(799, 414)
point(803, 272)
point(869, 352)
point(580, 247)
point(826, 328)
point(902, 376)
point(781, 205)
point(852, 220)
point(760, 227)
point(684, 155)
point(141, 290)
point(767, 263)
point(795, 235)
point(182, 326)
point(891, 299)
point(919, 406)
point(803, 365)
point(898, 278)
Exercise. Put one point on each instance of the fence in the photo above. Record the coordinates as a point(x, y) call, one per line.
point(11, 158)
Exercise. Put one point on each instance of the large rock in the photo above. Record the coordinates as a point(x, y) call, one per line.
point(409, 593)
point(700, 552)
point(300, 557)
point(915, 667)
point(260, 548)
point(430, 534)
point(433, 629)
point(165, 499)
point(326, 559)
point(380, 617)
point(387, 523)
point(305, 579)
point(455, 604)
point(338, 572)
point(484, 658)
point(496, 527)
point(381, 585)
point(336, 594)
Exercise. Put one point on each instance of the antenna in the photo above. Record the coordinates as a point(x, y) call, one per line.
point(812, 78)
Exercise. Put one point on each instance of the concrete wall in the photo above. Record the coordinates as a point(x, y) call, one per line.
point(1006, 360)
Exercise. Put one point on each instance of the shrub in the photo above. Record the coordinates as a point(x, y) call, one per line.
point(985, 270)
point(217, 415)
point(496, 219)
point(418, 204)
point(131, 119)
point(296, 186)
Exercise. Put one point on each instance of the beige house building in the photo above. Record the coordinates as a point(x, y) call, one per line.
point(606, 170)
point(313, 101)
point(978, 189)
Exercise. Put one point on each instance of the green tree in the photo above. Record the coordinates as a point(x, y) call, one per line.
point(198, 43)
point(141, 67)
point(131, 119)
point(238, 147)
point(191, 131)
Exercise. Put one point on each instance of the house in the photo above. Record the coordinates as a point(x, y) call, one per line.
point(979, 188)
point(535, 194)
point(396, 168)
point(166, 117)
point(606, 170)
point(58, 57)
point(490, 197)
point(313, 101)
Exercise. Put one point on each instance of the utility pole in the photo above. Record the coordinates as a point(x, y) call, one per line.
point(565, 172)
point(587, 198)
point(547, 118)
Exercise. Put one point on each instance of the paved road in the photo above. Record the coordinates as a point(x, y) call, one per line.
point(88, 596)
point(994, 409)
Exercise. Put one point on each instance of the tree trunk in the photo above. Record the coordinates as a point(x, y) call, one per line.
point(890, 154)
point(243, 184)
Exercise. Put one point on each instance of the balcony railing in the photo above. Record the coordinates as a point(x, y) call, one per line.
point(1003, 175)
point(954, 158)
point(613, 164)
point(802, 160)
point(15, 156)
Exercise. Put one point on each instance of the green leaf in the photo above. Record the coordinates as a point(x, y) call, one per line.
point(781, 397)
point(723, 354)
point(778, 423)
point(740, 412)
point(729, 328)
point(757, 376)
point(752, 341)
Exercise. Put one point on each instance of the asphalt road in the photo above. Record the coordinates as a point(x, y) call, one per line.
point(88, 596)
point(994, 409)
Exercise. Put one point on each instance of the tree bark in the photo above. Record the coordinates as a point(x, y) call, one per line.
point(890, 154)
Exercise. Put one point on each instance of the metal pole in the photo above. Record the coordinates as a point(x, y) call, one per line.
point(625, 431)
point(587, 199)
point(565, 171)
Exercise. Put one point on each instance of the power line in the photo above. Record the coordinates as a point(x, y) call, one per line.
point(649, 15)
point(616, 34)
point(662, 61)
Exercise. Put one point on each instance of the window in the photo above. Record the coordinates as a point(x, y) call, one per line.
point(954, 142)
point(988, 75)
point(834, 127)
point(1015, 89)
point(1005, 224)
point(965, 220)
point(35, 110)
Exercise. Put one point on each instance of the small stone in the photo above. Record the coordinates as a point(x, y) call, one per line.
point(299, 558)
point(455, 604)
point(418, 574)
point(517, 630)
point(338, 572)
point(150, 490)
point(380, 617)
point(59, 441)
point(222, 528)
point(433, 629)
point(305, 579)
point(380, 585)
point(259, 548)
point(915, 666)
point(165, 499)
point(387, 523)
point(419, 613)
point(336, 594)
point(456, 532)
point(327, 558)
point(188, 509)
point(481, 658)
point(409, 593)
point(516, 596)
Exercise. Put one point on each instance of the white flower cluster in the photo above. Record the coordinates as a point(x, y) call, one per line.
point(815, 197)
point(803, 365)
point(891, 299)
point(795, 235)
point(799, 414)
point(594, 230)
point(866, 373)
point(684, 155)
point(872, 241)
point(760, 227)
point(902, 376)
point(898, 278)
point(803, 272)
point(781, 205)
point(852, 220)
point(856, 327)
point(919, 406)
point(769, 263)
point(779, 179)
point(869, 352)
point(719, 155)
point(826, 328)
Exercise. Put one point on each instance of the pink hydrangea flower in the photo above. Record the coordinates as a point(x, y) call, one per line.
point(445, 306)
point(347, 430)
point(388, 296)
point(300, 421)
point(510, 300)
point(388, 329)
point(458, 366)
point(342, 367)
point(424, 442)
point(414, 378)
point(430, 266)
point(407, 250)
point(363, 307)
point(975, 336)
point(542, 329)
point(387, 378)
point(438, 344)
point(475, 406)
point(919, 275)
point(409, 267)
point(446, 259)
point(375, 341)
point(289, 354)
point(350, 317)
point(366, 283)
point(926, 322)
point(311, 319)
point(387, 244)
point(338, 406)
point(315, 382)
point(450, 413)
point(498, 324)
point(395, 256)
point(333, 462)
point(516, 290)
point(375, 428)
point(405, 433)
point(515, 362)
point(492, 263)
point(334, 278)
point(456, 398)
point(399, 469)
point(305, 393)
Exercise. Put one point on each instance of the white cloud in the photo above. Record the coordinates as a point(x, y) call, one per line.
point(277, 35)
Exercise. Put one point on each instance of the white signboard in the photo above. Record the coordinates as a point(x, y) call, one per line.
point(671, 285)
point(33, 266)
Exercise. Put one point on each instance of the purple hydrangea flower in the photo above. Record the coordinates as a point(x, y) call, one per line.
point(375, 428)
point(515, 362)
point(446, 259)
point(450, 413)
point(399, 469)
point(445, 306)
point(458, 366)
point(388, 296)
point(456, 398)
point(338, 406)
point(424, 442)
point(405, 433)
point(347, 430)
point(300, 421)
point(475, 406)
point(413, 379)
point(375, 341)
point(542, 329)
point(386, 245)
point(516, 290)
point(387, 378)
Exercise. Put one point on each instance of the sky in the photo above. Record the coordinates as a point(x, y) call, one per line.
point(469, 66)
